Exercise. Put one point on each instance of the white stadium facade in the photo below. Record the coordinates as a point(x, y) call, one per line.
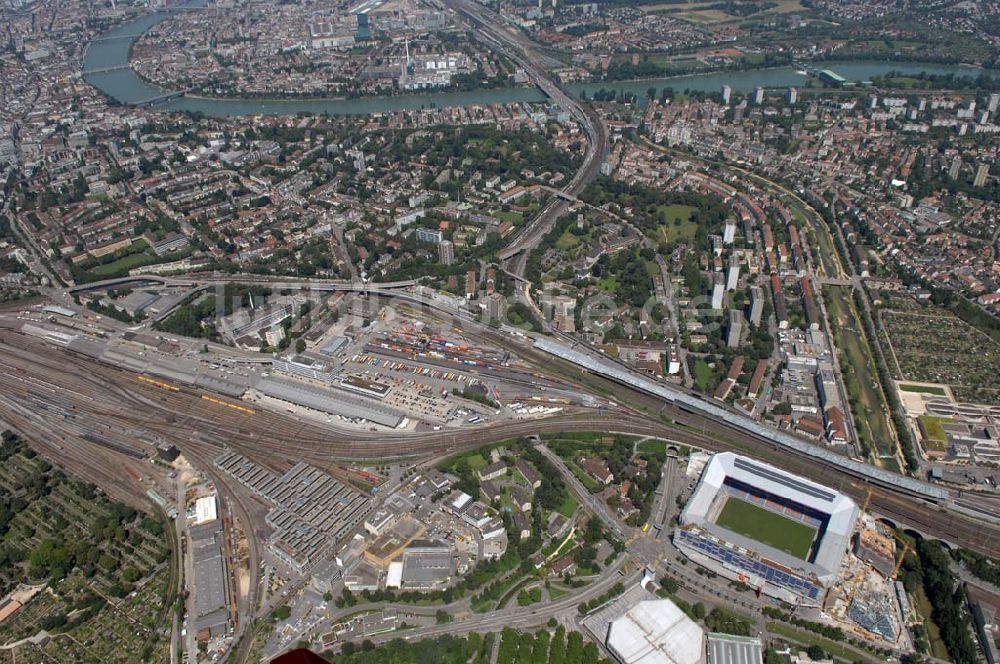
point(804, 579)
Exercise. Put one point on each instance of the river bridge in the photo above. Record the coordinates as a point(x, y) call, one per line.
point(164, 98)
point(104, 70)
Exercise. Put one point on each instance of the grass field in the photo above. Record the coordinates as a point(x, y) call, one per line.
point(933, 427)
point(567, 506)
point(677, 225)
point(651, 446)
point(702, 374)
point(513, 217)
point(567, 241)
point(476, 461)
point(925, 389)
point(760, 525)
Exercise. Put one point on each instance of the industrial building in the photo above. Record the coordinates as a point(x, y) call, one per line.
point(210, 582)
point(311, 510)
point(656, 632)
point(783, 507)
point(328, 401)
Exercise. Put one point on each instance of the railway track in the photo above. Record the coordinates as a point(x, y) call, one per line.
point(186, 420)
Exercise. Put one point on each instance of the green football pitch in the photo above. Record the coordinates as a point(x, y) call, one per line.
point(785, 534)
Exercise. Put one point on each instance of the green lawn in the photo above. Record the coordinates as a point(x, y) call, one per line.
point(512, 216)
point(567, 241)
point(651, 446)
point(702, 374)
point(476, 461)
point(934, 427)
point(568, 506)
point(761, 525)
point(676, 223)
point(926, 389)
point(860, 376)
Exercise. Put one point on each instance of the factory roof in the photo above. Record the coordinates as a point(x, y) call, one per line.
point(205, 509)
point(394, 575)
point(730, 649)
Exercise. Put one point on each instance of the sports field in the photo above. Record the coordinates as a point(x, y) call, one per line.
point(792, 537)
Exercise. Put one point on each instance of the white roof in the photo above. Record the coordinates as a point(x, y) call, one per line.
point(656, 632)
point(394, 575)
point(205, 509)
point(841, 511)
point(461, 500)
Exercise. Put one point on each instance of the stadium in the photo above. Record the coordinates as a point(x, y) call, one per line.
point(770, 529)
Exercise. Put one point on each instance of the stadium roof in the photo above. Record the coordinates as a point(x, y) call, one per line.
point(841, 510)
point(656, 632)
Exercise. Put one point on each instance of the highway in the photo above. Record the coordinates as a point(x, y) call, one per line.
point(508, 40)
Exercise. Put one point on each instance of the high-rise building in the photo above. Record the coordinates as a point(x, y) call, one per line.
point(993, 103)
point(758, 95)
point(735, 329)
point(756, 305)
point(727, 93)
point(792, 96)
point(364, 28)
point(956, 168)
point(496, 306)
point(446, 252)
point(718, 291)
point(733, 273)
point(433, 236)
point(872, 101)
point(981, 172)
point(729, 232)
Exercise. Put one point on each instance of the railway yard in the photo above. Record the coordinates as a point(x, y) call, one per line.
point(108, 401)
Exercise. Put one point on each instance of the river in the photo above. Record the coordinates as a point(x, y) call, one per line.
point(124, 85)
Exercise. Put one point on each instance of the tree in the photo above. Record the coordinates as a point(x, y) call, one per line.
point(816, 652)
point(300, 345)
point(698, 611)
point(670, 584)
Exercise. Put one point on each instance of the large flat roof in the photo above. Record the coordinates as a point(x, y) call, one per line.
point(328, 401)
point(730, 649)
point(656, 632)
